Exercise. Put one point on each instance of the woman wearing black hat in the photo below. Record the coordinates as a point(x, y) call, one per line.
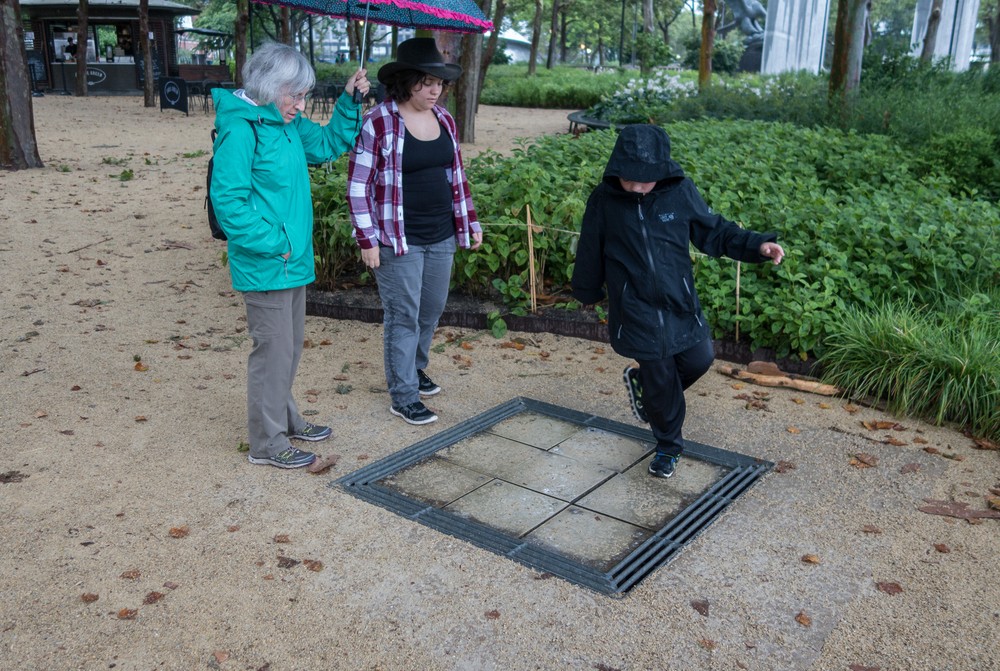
point(411, 208)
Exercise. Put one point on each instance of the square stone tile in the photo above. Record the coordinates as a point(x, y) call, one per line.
point(554, 475)
point(589, 538)
point(506, 507)
point(603, 448)
point(535, 430)
point(435, 481)
point(487, 453)
point(638, 498)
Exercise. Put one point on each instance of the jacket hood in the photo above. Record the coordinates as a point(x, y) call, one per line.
point(229, 106)
point(641, 154)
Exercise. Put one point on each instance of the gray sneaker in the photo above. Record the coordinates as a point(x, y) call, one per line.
point(312, 432)
point(289, 458)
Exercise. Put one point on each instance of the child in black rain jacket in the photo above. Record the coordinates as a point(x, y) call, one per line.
point(634, 239)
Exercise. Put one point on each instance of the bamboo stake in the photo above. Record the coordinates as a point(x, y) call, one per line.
point(531, 263)
point(738, 268)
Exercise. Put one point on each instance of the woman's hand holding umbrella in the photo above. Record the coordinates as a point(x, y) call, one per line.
point(358, 82)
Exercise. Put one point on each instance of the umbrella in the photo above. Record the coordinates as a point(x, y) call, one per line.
point(459, 16)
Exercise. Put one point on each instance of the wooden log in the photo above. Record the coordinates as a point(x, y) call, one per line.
point(811, 386)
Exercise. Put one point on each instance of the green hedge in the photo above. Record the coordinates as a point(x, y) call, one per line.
point(857, 223)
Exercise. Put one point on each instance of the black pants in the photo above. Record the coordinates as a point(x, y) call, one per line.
point(663, 384)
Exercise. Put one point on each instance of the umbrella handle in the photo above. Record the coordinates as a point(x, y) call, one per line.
point(359, 97)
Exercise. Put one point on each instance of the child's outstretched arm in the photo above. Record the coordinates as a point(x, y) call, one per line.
point(773, 251)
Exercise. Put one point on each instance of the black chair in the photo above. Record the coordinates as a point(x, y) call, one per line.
point(207, 88)
point(325, 97)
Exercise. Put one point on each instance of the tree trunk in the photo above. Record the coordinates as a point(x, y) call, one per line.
point(993, 25)
point(930, 35)
point(82, 15)
point(536, 35)
point(648, 17)
point(286, 26)
point(467, 88)
point(240, 26)
point(146, 46)
point(18, 148)
point(707, 44)
point(848, 46)
point(553, 32)
point(491, 45)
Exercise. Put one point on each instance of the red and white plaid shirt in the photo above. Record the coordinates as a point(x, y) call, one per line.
point(375, 181)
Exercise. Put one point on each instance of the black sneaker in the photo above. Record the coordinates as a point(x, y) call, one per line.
point(426, 386)
point(289, 458)
point(662, 466)
point(312, 432)
point(634, 387)
point(414, 413)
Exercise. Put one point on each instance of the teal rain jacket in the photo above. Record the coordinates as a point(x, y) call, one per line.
point(260, 188)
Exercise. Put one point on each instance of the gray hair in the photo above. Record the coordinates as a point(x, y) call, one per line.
point(275, 70)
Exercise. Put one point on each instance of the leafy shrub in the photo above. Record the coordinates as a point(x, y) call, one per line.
point(858, 224)
point(726, 53)
point(559, 88)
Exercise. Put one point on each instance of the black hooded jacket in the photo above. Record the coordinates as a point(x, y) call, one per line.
point(638, 246)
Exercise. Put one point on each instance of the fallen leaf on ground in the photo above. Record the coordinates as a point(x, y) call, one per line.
point(179, 532)
point(220, 656)
point(131, 574)
point(784, 467)
point(13, 476)
point(323, 464)
point(153, 597)
point(985, 444)
point(803, 619)
point(140, 418)
point(89, 597)
point(700, 605)
point(890, 588)
point(41, 413)
point(851, 408)
point(492, 615)
point(793, 429)
point(909, 468)
point(871, 529)
point(233, 527)
point(287, 562)
point(920, 441)
point(313, 565)
point(942, 548)
point(798, 401)
point(993, 502)
point(877, 425)
point(956, 509)
point(127, 613)
point(282, 538)
point(863, 460)
point(170, 585)
point(810, 559)
point(707, 643)
point(824, 406)
point(141, 367)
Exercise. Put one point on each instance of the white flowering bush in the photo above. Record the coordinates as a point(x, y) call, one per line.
point(632, 103)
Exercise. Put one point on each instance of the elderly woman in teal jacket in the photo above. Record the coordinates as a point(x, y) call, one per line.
point(261, 195)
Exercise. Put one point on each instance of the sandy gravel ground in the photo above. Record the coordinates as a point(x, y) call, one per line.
point(104, 462)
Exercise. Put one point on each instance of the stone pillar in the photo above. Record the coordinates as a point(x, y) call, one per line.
point(955, 32)
point(795, 35)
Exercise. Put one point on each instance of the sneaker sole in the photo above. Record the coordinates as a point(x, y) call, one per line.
point(415, 422)
point(268, 462)
point(661, 474)
point(312, 439)
point(430, 392)
point(631, 397)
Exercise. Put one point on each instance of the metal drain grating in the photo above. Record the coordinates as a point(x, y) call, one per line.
point(640, 549)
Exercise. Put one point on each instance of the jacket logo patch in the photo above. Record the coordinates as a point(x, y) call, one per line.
point(667, 216)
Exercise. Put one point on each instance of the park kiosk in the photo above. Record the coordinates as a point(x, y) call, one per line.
point(114, 61)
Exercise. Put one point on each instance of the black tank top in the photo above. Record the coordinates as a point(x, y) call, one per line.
point(427, 201)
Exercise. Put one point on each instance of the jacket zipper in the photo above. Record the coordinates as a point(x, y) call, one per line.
point(649, 254)
point(687, 288)
point(284, 260)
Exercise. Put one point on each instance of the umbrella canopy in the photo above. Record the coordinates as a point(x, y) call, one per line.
point(460, 16)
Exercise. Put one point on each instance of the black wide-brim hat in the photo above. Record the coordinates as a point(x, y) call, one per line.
point(420, 54)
